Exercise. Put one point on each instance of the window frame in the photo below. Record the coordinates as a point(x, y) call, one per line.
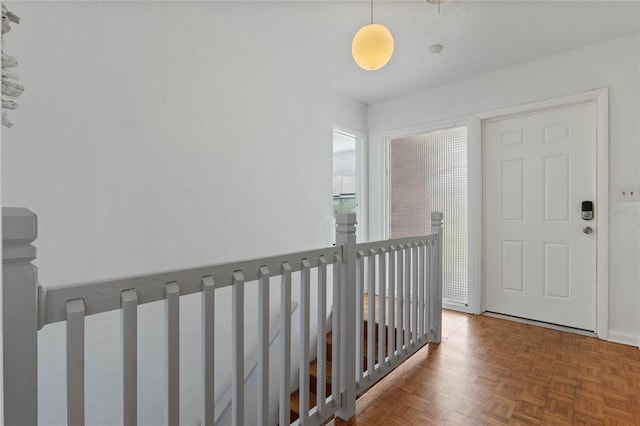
point(474, 194)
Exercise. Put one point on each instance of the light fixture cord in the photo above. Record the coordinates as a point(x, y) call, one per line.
point(372, 11)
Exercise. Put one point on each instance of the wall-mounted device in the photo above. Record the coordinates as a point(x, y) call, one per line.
point(587, 210)
point(628, 193)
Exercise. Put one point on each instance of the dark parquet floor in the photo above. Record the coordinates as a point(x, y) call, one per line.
point(489, 371)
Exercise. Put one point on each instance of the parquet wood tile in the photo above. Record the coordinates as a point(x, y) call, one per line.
point(490, 371)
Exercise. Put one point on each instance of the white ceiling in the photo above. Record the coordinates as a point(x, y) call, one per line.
point(478, 36)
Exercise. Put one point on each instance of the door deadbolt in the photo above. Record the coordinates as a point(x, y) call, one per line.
point(587, 230)
point(587, 210)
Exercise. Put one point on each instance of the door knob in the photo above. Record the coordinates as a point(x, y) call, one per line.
point(587, 230)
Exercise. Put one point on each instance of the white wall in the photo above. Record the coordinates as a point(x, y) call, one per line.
point(153, 136)
point(614, 64)
point(349, 113)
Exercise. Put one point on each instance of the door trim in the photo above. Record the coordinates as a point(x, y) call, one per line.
point(601, 99)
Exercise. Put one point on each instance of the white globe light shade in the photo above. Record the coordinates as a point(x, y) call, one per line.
point(372, 47)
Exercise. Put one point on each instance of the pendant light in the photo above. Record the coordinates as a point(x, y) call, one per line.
point(372, 46)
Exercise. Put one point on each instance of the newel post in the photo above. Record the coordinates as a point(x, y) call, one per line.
point(20, 317)
point(346, 237)
point(437, 225)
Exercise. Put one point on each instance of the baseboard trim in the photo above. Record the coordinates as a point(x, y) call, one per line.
point(624, 338)
point(453, 306)
point(614, 336)
point(541, 324)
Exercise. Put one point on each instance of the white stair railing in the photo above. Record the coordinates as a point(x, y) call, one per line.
point(405, 274)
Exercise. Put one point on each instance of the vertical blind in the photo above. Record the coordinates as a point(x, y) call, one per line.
point(428, 172)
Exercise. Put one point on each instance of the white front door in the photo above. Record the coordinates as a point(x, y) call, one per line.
point(540, 260)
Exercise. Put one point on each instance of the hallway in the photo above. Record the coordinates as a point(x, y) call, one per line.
point(489, 371)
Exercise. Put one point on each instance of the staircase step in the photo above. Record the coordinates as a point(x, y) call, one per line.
point(365, 332)
point(295, 404)
point(313, 368)
point(376, 330)
point(313, 377)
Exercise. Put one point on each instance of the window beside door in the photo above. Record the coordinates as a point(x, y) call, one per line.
point(427, 172)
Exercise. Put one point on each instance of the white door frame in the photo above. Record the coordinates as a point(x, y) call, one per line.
point(476, 209)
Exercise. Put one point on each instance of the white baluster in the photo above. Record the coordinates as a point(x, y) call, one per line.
point(303, 391)
point(237, 344)
point(263, 346)
point(359, 317)
point(407, 299)
point(285, 345)
point(421, 286)
point(335, 331)
point(371, 320)
point(129, 316)
point(321, 355)
point(208, 350)
point(382, 299)
point(400, 281)
point(431, 273)
point(172, 348)
point(75, 362)
point(414, 295)
point(392, 304)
